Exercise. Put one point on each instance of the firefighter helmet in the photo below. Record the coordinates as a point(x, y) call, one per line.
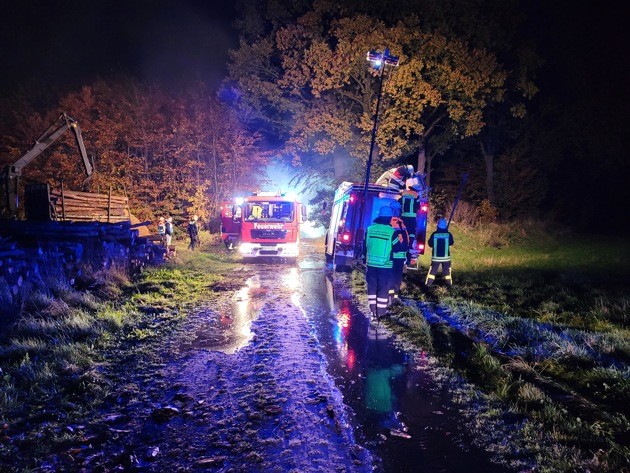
point(385, 211)
point(410, 169)
point(442, 225)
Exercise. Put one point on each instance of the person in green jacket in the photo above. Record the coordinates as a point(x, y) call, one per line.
point(381, 241)
point(440, 240)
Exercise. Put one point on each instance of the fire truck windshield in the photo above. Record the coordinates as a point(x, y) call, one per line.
point(269, 211)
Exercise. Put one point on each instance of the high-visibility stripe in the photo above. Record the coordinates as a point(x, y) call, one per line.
point(441, 259)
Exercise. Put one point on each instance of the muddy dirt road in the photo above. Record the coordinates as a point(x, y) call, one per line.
point(285, 374)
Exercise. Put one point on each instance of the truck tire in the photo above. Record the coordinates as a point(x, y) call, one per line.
point(340, 268)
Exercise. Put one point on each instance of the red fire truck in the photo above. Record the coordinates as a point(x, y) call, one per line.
point(353, 210)
point(265, 224)
point(230, 224)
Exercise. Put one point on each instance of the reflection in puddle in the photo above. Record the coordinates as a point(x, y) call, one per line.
point(291, 279)
point(398, 405)
point(232, 330)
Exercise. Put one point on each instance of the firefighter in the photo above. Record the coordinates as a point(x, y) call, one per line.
point(410, 202)
point(399, 257)
point(193, 232)
point(395, 178)
point(441, 241)
point(257, 212)
point(381, 241)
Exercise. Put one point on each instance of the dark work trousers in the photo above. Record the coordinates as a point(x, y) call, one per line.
point(397, 275)
point(446, 272)
point(379, 281)
point(410, 224)
point(193, 242)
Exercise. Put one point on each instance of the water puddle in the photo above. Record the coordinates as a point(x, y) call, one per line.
point(231, 329)
point(401, 412)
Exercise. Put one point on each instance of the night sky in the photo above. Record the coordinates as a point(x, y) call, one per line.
point(70, 42)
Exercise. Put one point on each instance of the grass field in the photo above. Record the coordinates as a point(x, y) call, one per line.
point(538, 320)
point(52, 354)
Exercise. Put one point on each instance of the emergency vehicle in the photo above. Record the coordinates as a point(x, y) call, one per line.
point(265, 224)
point(353, 210)
point(230, 224)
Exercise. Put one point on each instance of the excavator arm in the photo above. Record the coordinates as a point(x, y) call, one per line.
point(12, 173)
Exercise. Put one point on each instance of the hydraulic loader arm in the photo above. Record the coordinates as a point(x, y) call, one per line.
point(11, 174)
point(49, 137)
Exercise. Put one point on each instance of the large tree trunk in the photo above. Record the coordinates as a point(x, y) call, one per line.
point(429, 159)
point(488, 158)
point(422, 159)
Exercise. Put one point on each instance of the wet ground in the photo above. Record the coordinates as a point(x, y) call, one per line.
point(284, 374)
point(390, 396)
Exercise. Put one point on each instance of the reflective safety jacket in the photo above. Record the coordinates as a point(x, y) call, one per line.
point(410, 203)
point(380, 240)
point(402, 236)
point(440, 241)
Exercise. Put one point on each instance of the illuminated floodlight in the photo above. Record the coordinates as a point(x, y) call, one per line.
point(378, 59)
point(239, 201)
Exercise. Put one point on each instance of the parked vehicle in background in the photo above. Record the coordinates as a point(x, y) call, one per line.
point(353, 210)
point(264, 224)
point(230, 224)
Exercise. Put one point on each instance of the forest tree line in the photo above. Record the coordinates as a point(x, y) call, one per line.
point(473, 93)
point(170, 154)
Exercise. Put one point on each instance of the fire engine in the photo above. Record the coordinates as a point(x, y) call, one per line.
point(230, 224)
point(265, 224)
point(353, 210)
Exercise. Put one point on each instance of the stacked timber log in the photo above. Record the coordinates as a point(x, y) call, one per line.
point(29, 250)
point(88, 207)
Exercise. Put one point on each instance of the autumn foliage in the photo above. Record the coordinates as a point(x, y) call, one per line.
point(175, 154)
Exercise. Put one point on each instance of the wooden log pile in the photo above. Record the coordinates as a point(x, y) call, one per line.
point(28, 249)
point(88, 207)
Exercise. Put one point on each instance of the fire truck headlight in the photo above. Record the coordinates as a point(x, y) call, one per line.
point(245, 248)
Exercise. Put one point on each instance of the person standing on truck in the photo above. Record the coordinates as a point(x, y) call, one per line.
point(395, 178)
point(440, 240)
point(410, 203)
point(400, 256)
point(381, 241)
point(193, 232)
